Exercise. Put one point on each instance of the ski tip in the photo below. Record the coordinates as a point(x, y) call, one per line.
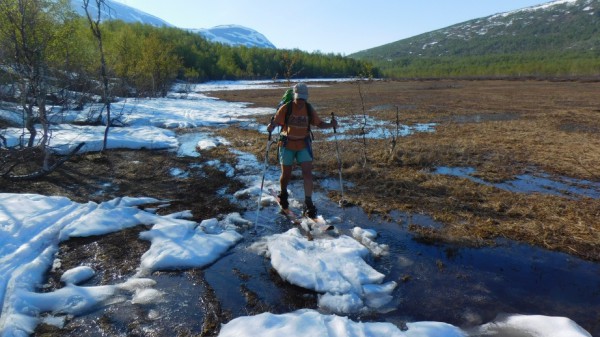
point(345, 203)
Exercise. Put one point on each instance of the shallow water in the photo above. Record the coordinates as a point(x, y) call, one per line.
point(439, 282)
point(528, 183)
point(466, 286)
point(462, 286)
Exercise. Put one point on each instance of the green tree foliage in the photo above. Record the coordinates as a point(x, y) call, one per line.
point(560, 40)
point(30, 31)
point(144, 60)
point(539, 64)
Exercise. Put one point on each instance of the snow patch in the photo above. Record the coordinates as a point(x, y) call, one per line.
point(335, 268)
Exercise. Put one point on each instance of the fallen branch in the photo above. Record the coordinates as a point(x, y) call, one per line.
point(43, 172)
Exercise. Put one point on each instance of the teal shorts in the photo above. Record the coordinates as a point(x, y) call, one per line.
point(287, 156)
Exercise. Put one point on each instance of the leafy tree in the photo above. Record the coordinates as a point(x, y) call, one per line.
point(158, 65)
point(28, 31)
point(124, 52)
point(29, 35)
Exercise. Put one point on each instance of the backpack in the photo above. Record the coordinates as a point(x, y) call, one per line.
point(287, 97)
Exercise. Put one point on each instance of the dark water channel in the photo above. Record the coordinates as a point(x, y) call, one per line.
point(459, 285)
point(437, 282)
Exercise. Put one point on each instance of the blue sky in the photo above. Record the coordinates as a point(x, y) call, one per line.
point(338, 26)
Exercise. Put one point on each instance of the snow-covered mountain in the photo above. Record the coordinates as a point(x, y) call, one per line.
point(550, 27)
point(228, 34)
point(119, 11)
point(235, 35)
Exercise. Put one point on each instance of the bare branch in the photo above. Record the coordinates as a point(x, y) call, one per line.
point(44, 171)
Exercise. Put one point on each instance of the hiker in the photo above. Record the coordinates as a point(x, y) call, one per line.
point(295, 144)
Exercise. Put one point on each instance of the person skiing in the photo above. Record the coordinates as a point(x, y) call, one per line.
point(295, 118)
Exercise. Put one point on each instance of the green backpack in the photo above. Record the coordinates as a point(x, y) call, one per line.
point(287, 97)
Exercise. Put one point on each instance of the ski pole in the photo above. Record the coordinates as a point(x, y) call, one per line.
point(262, 183)
point(339, 158)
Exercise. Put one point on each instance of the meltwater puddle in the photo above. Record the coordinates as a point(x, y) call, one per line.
point(467, 286)
point(462, 286)
point(528, 183)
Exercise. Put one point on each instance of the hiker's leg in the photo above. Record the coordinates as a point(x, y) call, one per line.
point(286, 176)
point(307, 177)
point(286, 159)
point(284, 180)
point(304, 157)
point(309, 207)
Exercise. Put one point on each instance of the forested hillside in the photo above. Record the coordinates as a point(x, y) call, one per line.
point(45, 38)
point(559, 38)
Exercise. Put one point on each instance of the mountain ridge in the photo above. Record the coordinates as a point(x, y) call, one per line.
point(494, 33)
point(234, 35)
point(119, 11)
point(557, 38)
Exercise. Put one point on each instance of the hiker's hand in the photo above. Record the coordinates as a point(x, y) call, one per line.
point(334, 123)
point(270, 127)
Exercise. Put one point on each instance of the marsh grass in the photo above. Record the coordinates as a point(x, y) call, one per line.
point(499, 128)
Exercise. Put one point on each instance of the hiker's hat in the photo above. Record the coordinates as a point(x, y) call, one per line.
point(301, 91)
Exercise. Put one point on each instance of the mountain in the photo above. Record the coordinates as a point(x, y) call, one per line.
point(553, 27)
point(235, 35)
point(119, 11)
point(230, 34)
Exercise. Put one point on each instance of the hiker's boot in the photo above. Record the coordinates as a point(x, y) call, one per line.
point(309, 208)
point(283, 200)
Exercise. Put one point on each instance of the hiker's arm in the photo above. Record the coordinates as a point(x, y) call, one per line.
point(325, 125)
point(321, 124)
point(275, 121)
point(271, 126)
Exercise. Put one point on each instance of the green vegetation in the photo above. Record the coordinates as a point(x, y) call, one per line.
point(143, 59)
point(562, 40)
point(50, 56)
point(501, 65)
point(141, 53)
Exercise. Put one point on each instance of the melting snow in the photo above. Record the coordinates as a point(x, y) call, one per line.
point(32, 226)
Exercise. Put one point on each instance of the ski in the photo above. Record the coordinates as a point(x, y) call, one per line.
point(309, 226)
point(292, 217)
point(318, 224)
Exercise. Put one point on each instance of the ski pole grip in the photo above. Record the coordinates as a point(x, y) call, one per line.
point(332, 119)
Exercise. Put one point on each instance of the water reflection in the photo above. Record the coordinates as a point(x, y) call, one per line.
point(459, 285)
point(527, 183)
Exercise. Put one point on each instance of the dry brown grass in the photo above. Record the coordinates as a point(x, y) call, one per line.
point(501, 128)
